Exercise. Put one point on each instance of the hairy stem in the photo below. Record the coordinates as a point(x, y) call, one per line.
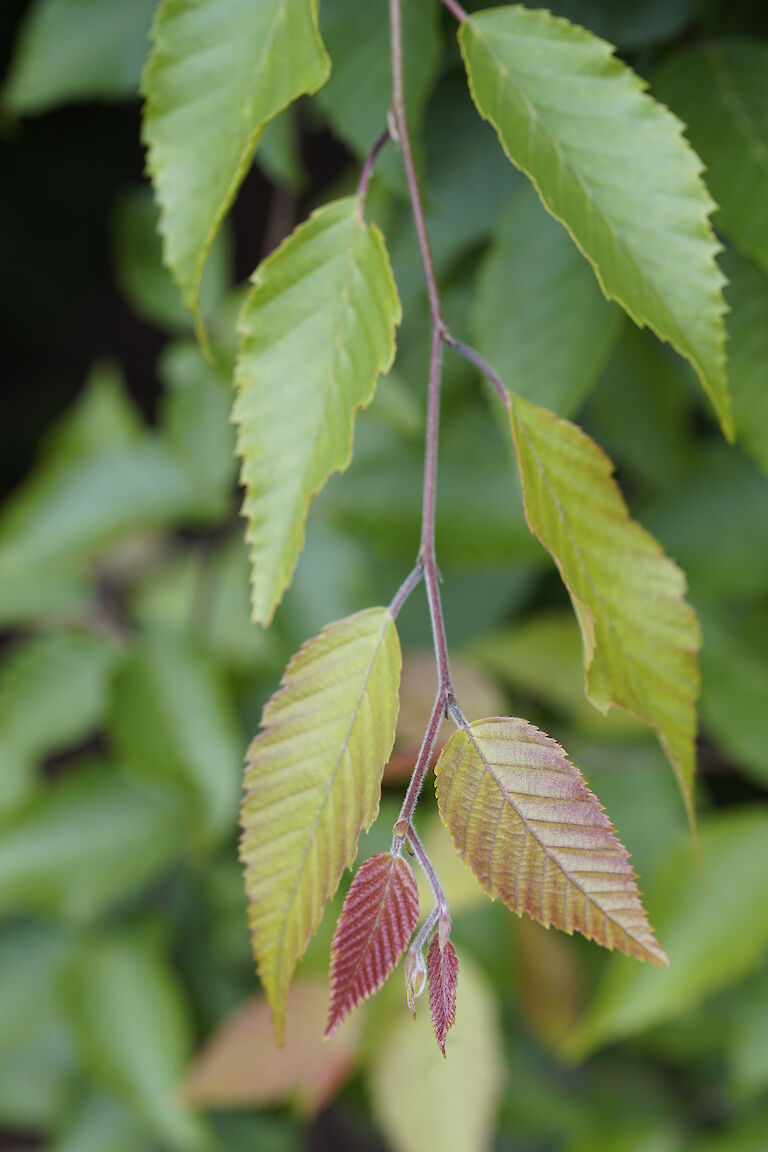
point(419, 772)
point(419, 851)
point(412, 580)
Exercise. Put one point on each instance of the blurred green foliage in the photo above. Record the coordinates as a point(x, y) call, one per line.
point(131, 678)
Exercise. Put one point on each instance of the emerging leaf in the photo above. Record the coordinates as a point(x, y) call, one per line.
point(524, 820)
point(217, 74)
point(317, 329)
point(578, 122)
point(313, 781)
point(376, 922)
point(442, 969)
point(640, 637)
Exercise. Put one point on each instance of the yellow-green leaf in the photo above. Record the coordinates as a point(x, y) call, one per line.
point(313, 781)
point(217, 74)
point(317, 329)
point(640, 636)
point(579, 123)
point(524, 820)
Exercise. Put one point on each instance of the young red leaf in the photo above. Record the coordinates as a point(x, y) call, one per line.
point(376, 922)
point(442, 969)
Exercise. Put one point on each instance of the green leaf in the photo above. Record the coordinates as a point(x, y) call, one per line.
point(630, 26)
point(173, 723)
point(640, 637)
point(317, 329)
point(144, 280)
point(313, 782)
point(715, 932)
point(53, 693)
point(357, 96)
point(733, 696)
point(134, 1031)
point(720, 90)
point(748, 1042)
point(422, 1102)
point(88, 841)
point(77, 50)
point(100, 1123)
point(747, 296)
point(217, 74)
point(540, 318)
point(578, 122)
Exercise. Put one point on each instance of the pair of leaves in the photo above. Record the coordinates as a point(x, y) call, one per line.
point(313, 782)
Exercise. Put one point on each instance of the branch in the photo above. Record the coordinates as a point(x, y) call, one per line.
point(456, 10)
point(480, 363)
point(370, 164)
point(402, 826)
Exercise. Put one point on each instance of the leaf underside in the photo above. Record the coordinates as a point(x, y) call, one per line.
point(578, 122)
point(378, 917)
point(640, 636)
point(217, 74)
point(313, 781)
point(442, 970)
point(317, 329)
point(522, 817)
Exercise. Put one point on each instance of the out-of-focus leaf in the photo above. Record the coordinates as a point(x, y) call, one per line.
point(747, 1135)
point(173, 723)
point(377, 919)
point(748, 1042)
point(628, 25)
point(196, 423)
point(103, 416)
point(77, 50)
point(311, 789)
point(640, 636)
point(715, 526)
point(720, 91)
point(550, 981)
point(734, 694)
point(53, 692)
point(144, 280)
point(476, 692)
point(32, 957)
point(278, 154)
point(38, 1079)
point(87, 842)
point(747, 296)
point(553, 852)
point(714, 932)
point(100, 1123)
point(583, 134)
point(540, 317)
point(240, 1067)
point(133, 1031)
point(318, 328)
point(422, 1102)
point(541, 655)
point(357, 96)
point(216, 76)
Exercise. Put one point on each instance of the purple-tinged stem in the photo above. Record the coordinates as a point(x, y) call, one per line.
point(420, 852)
point(480, 363)
point(412, 581)
point(456, 10)
point(419, 772)
point(370, 164)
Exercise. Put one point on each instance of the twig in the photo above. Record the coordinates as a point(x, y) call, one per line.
point(419, 772)
point(412, 580)
point(370, 164)
point(420, 853)
point(456, 10)
point(480, 363)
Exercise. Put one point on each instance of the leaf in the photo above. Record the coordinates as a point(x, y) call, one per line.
point(421, 1102)
point(98, 1123)
point(313, 782)
point(239, 1066)
point(540, 318)
point(442, 970)
point(720, 90)
point(640, 636)
point(89, 841)
point(734, 691)
point(133, 1030)
point(715, 933)
point(747, 296)
point(77, 50)
point(317, 329)
point(522, 817)
point(578, 122)
point(53, 693)
point(172, 723)
point(478, 693)
point(217, 74)
point(377, 919)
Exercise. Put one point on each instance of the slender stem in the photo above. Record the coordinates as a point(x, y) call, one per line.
point(457, 10)
point(412, 580)
point(420, 853)
point(401, 124)
point(480, 363)
point(419, 771)
point(370, 164)
point(426, 930)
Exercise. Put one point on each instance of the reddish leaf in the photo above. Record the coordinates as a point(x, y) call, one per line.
point(379, 914)
point(442, 969)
